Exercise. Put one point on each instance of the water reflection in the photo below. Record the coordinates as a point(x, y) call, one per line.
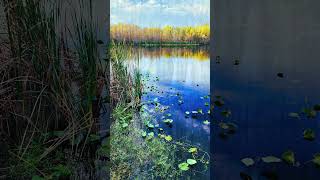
point(178, 75)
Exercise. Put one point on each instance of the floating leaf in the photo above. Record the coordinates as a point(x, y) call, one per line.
point(224, 125)
point(160, 129)
point(151, 126)
point(193, 150)
point(206, 122)
point(184, 166)
point(168, 138)
point(180, 101)
point(294, 115)
point(187, 112)
point(200, 111)
point(226, 113)
point(194, 112)
point(247, 161)
point(309, 134)
point(206, 104)
point(169, 115)
point(168, 121)
point(309, 112)
point(144, 134)
point(208, 112)
point(316, 159)
point(191, 161)
point(288, 157)
point(271, 159)
point(150, 135)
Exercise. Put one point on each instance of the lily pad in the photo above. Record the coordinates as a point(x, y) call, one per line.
point(191, 161)
point(288, 157)
point(310, 113)
point(226, 113)
point(247, 161)
point(151, 126)
point(168, 121)
point(187, 112)
point(168, 138)
point(309, 134)
point(271, 159)
point(316, 159)
point(144, 134)
point(206, 104)
point(206, 122)
point(294, 115)
point(200, 111)
point(193, 150)
point(183, 166)
point(224, 125)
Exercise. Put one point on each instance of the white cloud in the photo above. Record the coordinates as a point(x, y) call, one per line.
point(126, 10)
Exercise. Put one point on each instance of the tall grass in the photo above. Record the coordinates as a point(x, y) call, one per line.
point(48, 87)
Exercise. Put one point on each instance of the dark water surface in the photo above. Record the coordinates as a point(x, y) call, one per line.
point(270, 37)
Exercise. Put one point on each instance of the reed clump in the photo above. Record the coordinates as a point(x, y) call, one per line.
point(50, 89)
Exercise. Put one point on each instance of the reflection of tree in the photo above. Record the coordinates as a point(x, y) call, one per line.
point(194, 53)
point(133, 33)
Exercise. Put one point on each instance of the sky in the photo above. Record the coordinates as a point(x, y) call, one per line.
point(158, 13)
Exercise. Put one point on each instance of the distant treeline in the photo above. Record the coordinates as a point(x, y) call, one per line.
point(167, 35)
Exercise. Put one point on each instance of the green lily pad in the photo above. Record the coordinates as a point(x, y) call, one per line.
point(200, 111)
point(168, 121)
point(247, 161)
point(183, 166)
point(316, 159)
point(294, 115)
point(168, 138)
point(191, 161)
point(169, 115)
point(226, 113)
point(206, 104)
point(150, 135)
point(144, 134)
point(224, 125)
point(309, 112)
point(309, 134)
point(271, 159)
point(208, 112)
point(206, 122)
point(187, 112)
point(151, 126)
point(288, 157)
point(193, 150)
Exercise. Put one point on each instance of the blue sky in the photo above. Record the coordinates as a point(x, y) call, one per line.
point(158, 13)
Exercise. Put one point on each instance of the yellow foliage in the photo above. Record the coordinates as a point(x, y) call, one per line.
point(134, 33)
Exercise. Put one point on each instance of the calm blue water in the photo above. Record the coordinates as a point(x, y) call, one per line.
point(173, 75)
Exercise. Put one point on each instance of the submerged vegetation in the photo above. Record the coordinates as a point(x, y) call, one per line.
point(167, 35)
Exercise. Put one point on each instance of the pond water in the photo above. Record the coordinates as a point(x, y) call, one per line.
point(260, 101)
point(178, 80)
